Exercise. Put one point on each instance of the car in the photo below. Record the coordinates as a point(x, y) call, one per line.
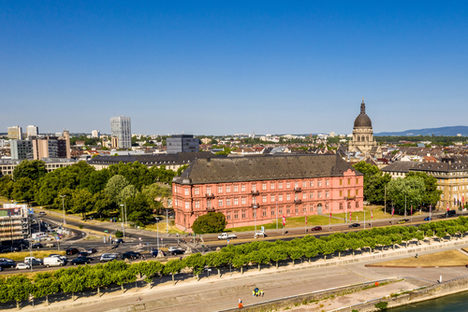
point(175, 250)
point(7, 263)
point(80, 260)
point(132, 255)
point(32, 261)
point(316, 228)
point(427, 219)
point(63, 258)
point(450, 213)
point(83, 254)
point(260, 234)
point(22, 266)
point(106, 257)
point(37, 245)
point(91, 251)
point(42, 213)
point(227, 236)
point(118, 241)
point(354, 225)
point(72, 251)
point(154, 253)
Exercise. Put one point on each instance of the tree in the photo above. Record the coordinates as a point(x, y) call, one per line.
point(115, 185)
point(6, 186)
point(406, 192)
point(32, 169)
point(45, 284)
point(139, 210)
point(196, 262)
point(212, 222)
point(23, 189)
point(19, 287)
point(81, 202)
point(172, 267)
point(127, 192)
point(431, 194)
point(374, 182)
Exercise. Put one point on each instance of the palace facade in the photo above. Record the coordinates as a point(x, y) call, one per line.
point(257, 190)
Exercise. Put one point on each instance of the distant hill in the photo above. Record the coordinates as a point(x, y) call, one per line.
point(443, 131)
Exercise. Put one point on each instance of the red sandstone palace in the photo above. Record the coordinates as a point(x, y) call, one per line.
point(255, 190)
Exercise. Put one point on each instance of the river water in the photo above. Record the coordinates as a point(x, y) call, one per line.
point(452, 303)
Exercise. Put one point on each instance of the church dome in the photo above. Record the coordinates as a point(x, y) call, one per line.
point(362, 120)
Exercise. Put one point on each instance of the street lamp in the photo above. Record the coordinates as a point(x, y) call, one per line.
point(63, 207)
point(122, 217)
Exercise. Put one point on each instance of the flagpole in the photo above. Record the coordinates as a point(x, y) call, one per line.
point(364, 218)
point(277, 215)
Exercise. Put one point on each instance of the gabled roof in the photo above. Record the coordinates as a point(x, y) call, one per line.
point(222, 170)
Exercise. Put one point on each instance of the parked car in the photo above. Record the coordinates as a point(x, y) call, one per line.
point(80, 260)
point(450, 213)
point(22, 266)
point(354, 225)
point(260, 234)
point(37, 245)
point(7, 263)
point(132, 255)
point(316, 228)
point(72, 251)
point(108, 257)
point(427, 219)
point(175, 250)
point(53, 261)
point(32, 261)
point(91, 251)
point(227, 236)
point(118, 241)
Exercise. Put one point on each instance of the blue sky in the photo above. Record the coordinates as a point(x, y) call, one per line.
point(220, 67)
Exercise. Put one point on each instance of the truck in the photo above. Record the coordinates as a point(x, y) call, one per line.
point(227, 236)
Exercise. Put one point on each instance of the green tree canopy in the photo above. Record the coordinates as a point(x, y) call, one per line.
point(212, 222)
point(32, 169)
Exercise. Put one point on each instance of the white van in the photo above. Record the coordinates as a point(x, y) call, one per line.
point(53, 261)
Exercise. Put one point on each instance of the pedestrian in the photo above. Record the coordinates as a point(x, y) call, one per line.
point(240, 305)
point(261, 292)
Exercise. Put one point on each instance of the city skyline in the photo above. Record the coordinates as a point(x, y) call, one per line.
point(219, 68)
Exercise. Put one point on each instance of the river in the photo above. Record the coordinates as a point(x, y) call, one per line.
point(452, 303)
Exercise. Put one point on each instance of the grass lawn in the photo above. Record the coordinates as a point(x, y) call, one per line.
point(20, 255)
point(293, 222)
point(440, 259)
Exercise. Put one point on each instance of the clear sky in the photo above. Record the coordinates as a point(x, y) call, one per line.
point(220, 67)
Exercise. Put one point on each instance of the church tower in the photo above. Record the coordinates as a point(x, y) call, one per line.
point(363, 135)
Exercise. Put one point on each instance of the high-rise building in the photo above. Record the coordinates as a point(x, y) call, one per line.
point(121, 129)
point(95, 134)
point(182, 143)
point(66, 138)
point(14, 133)
point(21, 149)
point(32, 131)
point(52, 146)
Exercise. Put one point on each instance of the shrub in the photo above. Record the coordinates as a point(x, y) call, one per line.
point(212, 222)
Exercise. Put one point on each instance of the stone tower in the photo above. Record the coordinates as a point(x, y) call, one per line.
point(363, 135)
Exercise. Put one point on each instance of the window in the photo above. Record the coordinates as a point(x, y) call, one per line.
point(254, 187)
point(272, 198)
point(296, 184)
point(197, 204)
point(175, 188)
point(264, 186)
point(264, 212)
point(357, 204)
point(326, 194)
point(236, 188)
point(304, 184)
point(236, 214)
point(280, 185)
point(228, 216)
point(349, 205)
point(272, 185)
point(357, 192)
point(244, 200)
point(236, 201)
point(243, 188)
point(311, 183)
point(264, 199)
point(319, 183)
point(220, 202)
point(311, 209)
point(208, 190)
point(341, 181)
point(357, 181)
point(228, 189)
point(319, 194)
point(220, 189)
point(341, 206)
point(297, 210)
point(288, 185)
point(304, 196)
point(272, 212)
point(349, 181)
point(243, 214)
point(311, 195)
point(197, 191)
point(288, 196)
point(186, 191)
point(349, 193)
point(280, 211)
point(341, 193)
point(208, 204)
point(288, 211)
point(304, 210)
point(327, 182)
point(187, 205)
point(280, 198)
point(228, 202)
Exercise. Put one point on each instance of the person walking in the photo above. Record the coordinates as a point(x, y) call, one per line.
point(240, 305)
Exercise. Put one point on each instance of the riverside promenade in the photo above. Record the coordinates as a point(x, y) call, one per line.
point(218, 294)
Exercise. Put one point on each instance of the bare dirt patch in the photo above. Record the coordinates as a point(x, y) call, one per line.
point(449, 258)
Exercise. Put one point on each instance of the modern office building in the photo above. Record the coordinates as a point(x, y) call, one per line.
point(8, 165)
point(122, 130)
point(259, 189)
point(95, 134)
point(182, 143)
point(21, 149)
point(15, 133)
point(52, 147)
point(14, 222)
point(32, 131)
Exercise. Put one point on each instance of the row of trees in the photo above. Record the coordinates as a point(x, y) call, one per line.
point(94, 278)
point(91, 192)
point(417, 189)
